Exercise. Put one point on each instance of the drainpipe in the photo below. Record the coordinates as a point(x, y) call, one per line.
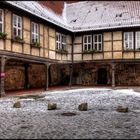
point(71, 65)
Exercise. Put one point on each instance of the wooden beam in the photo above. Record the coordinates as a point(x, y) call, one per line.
point(2, 76)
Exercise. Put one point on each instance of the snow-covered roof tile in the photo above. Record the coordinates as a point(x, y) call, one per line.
point(104, 14)
point(41, 11)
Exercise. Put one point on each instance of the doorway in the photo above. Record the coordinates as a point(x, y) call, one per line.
point(102, 76)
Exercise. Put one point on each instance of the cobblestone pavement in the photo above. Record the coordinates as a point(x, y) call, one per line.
point(34, 121)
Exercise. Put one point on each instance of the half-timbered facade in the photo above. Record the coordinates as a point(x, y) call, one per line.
point(91, 43)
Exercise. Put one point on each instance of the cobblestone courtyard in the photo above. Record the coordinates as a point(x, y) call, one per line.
point(34, 121)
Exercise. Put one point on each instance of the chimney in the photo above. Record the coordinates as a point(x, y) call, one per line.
point(56, 6)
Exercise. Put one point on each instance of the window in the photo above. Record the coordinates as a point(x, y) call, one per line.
point(128, 40)
point(61, 42)
point(34, 33)
point(137, 39)
point(87, 42)
point(17, 26)
point(97, 41)
point(58, 41)
point(1, 20)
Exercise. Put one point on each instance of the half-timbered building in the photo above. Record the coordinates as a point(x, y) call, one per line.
point(91, 43)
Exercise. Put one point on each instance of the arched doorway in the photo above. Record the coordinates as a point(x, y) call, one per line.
point(102, 76)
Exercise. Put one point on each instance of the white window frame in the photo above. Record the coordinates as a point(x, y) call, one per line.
point(128, 41)
point(64, 44)
point(34, 32)
point(18, 21)
point(98, 42)
point(87, 43)
point(58, 41)
point(137, 39)
point(2, 22)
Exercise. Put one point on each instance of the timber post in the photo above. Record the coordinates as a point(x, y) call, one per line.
point(47, 76)
point(2, 76)
point(26, 76)
point(71, 72)
point(113, 75)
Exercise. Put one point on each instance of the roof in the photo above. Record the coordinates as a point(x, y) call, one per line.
point(95, 15)
point(39, 10)
point(87, 15)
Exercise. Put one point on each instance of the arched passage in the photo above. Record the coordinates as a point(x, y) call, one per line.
point(102, 76)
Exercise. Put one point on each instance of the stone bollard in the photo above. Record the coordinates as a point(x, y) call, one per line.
point(52, 106)
point(17, 104)
point(122, 109)
point(83, 107)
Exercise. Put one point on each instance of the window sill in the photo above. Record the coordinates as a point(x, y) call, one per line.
point(98, 52)
point(91, 52)
point(2, 38)
point(137, 50)
point(130, 50)
point(62, 52)
point(34, 46)
point(17, 41)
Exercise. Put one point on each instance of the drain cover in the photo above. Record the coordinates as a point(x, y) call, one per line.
point(68, 114)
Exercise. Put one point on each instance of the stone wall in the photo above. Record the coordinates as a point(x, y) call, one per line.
point(86, 74)
point(59, 74)
point(37, 76)
point(127, 75)
point(15, 77)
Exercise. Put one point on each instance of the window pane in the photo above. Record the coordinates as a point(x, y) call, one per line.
point(0, 27)
point(99, 38)
point(89, 46)
point(32, 27)
point(15, 32)
point(36, 28)
point(85, 47)
point(128, 39)
point(85, 39)
point(0, 15)
point(95, 38)
point(100, 47)
point(56, 37)
point(95, 46)
point(89, 39)
point(137, 39)
point(19, 32)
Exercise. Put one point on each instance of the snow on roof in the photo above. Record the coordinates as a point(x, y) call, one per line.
point(87, 15)
point(41, 11)
point(95, 15)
